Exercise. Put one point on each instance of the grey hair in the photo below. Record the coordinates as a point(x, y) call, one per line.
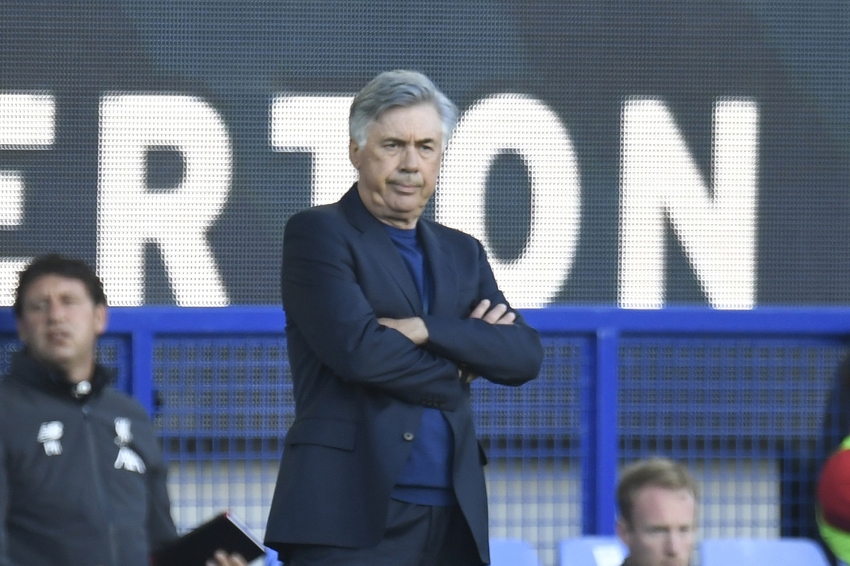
point(393, 89)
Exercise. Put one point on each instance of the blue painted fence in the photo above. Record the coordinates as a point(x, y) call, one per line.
point(741, 396)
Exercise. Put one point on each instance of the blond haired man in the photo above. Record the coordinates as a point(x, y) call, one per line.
point(657, 499)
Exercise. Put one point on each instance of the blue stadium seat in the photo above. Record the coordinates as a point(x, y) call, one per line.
point(512, 552)
point(271, 558)
point(762, 552)
point(592, 551)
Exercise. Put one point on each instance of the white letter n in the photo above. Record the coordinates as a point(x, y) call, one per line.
point(660, 178)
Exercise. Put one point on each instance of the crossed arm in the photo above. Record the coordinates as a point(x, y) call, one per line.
point(416, 330)
point(330, 289)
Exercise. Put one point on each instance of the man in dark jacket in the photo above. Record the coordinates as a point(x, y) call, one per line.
point(389, 317)
point(82, 481)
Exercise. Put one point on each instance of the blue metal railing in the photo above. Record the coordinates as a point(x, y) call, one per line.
point(745, 378)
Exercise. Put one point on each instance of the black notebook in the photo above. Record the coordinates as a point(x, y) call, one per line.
point(223, 532)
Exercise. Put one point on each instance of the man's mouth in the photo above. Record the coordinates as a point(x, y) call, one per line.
point(406, 186)
point(57, 336)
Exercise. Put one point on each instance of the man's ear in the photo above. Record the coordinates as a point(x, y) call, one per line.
point(354, 153)
point(101, 317)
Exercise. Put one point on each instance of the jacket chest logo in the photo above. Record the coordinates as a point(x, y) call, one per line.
point(49, 434)
point(127, 457)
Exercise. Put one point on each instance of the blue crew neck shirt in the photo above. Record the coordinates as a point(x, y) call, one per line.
point(427, 476)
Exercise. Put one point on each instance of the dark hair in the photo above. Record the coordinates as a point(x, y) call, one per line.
point(55, 264)
point(658, 472)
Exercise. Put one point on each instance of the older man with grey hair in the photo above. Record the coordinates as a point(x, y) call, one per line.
point(389, 318)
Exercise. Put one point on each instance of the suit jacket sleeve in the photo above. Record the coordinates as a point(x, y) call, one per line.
point(508, 354)
point(4, 509)
point(324, 299)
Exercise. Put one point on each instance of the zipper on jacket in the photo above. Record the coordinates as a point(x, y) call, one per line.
point(100, 486)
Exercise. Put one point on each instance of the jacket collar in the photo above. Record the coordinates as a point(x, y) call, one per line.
point(29, 372)
point(438, 256)
point(373, 232)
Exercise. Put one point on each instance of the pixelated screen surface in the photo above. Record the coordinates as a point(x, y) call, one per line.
point(638, 154)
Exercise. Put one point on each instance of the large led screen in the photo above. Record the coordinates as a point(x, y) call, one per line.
point(639, 154)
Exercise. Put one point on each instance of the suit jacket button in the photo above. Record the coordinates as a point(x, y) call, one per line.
point(408, 436)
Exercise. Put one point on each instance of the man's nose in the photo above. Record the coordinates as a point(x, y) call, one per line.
point(409, 159)
point(54, 310)
point(675, 544)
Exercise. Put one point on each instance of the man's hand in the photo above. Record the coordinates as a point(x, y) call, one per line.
point(496, 315)
point(413, 328)
point(221, 558)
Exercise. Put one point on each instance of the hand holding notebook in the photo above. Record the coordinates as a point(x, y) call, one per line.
point(222, 533)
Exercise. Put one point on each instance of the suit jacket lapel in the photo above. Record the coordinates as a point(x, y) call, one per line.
point(375, 238)
point(443, 274)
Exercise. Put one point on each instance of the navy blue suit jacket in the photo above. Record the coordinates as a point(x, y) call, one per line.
point(360, 387)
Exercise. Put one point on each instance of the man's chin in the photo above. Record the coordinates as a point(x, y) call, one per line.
point(55, 359)
point(408, 213)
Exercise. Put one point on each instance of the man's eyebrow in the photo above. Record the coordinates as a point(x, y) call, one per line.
point(404, 141)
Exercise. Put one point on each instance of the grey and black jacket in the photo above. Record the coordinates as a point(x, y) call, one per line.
point(82, 481)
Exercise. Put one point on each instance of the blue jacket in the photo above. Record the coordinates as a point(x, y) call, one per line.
point(360, 387)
